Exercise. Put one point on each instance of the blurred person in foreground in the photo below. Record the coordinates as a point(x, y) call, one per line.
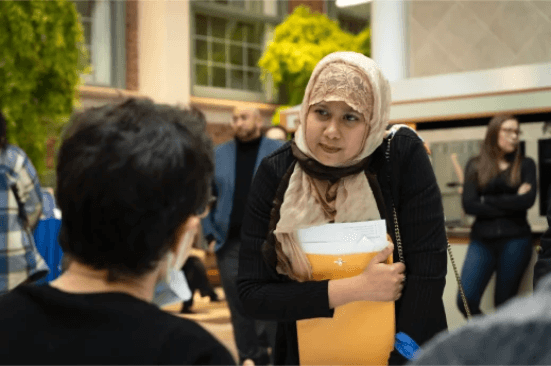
point(20, 210)
point(500, 186)
point(516, 334)
point(132, 183)
point(276, 132)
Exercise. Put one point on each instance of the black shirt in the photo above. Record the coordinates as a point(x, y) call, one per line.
point(42, 325)
point(245, 161)
point(500, 212)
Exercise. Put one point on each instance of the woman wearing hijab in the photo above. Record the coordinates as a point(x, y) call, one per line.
point(347, 308)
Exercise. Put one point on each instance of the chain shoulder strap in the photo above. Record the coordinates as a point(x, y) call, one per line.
point(399, 238)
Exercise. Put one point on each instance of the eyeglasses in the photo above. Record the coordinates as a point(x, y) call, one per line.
point(510, 131)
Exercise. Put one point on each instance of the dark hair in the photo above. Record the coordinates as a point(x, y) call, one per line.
point(128, 176)
point(197, 113)
point(3, 132)
point(487, 160)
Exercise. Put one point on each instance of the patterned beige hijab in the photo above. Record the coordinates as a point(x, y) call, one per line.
point(356, 80)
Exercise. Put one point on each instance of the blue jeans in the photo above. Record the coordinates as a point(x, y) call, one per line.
point(507, 257)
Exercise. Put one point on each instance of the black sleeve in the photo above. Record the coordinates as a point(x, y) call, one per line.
point(543, 263)
point(265, 294)
point(516, 202)
point(472, 202)
point(420, 311)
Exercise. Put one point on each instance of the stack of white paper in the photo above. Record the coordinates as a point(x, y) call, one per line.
point(344, 238)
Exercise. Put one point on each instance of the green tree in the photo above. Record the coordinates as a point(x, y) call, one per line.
point(42, 55)
point(299, 43)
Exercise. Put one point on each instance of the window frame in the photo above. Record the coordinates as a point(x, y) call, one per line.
point(212, 9)
point(115, 69)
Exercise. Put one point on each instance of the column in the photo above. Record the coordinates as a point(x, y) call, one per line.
point(164, 51)
point(389, 41)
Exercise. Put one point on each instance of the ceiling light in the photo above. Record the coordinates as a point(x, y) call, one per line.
point(346, 3)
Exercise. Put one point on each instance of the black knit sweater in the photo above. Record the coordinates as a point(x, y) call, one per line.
point(419, 312)
point(500, 212)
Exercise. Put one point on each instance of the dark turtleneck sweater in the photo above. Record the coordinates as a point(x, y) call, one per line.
point(245, 160)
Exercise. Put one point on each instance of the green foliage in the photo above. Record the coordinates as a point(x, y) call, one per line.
point(275, 117)
point(299, 43)
point(42, 55)
point(363, 42)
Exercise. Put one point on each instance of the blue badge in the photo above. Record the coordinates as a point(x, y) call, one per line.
point(406, 346)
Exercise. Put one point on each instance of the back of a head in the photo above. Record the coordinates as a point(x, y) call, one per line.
point(276, 132)
point(128, 176)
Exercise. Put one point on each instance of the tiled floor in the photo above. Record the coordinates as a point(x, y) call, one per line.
point(213, 316)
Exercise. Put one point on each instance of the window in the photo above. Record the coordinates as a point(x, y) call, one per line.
point(228, 38)
point(226, 53)
point(447, 178)
point(103, 22)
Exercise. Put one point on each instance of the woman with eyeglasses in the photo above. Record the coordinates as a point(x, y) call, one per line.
point(500, 187)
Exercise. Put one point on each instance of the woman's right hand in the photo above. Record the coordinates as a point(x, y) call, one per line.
point(383, 281)
point(380, 281)
point(524, 188)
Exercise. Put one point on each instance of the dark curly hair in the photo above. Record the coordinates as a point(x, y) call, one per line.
point(128, 176)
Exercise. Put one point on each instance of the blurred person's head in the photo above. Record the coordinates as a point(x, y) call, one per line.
point(500, 143)
point(132, 180)
point(3, 131)
point(246, 123)
point(276, 132)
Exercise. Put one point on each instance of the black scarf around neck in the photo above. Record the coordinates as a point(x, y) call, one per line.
point(317, 170)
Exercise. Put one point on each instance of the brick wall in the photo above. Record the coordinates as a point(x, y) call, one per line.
point(315, 5)
point(50, 151)
point(219, 132)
